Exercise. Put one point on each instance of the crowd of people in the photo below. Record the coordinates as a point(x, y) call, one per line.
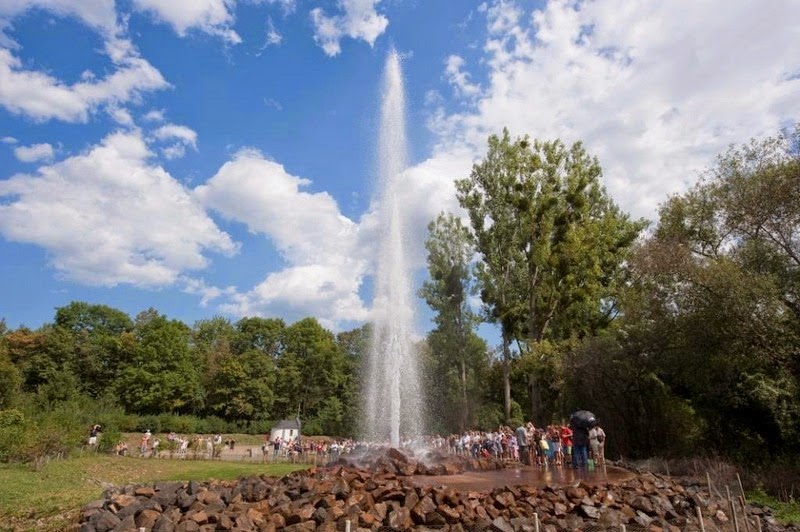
point(574, 444)
point(558, 445)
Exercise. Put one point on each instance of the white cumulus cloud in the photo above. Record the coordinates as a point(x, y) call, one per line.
point(654, 89)
point(43, 97)
point(325, 263)
point(109, 216)
point(98, 14)
point(34, 152)
point(214, 17)
point(359, 20)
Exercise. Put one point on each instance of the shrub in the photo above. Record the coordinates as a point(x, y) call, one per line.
point(260, 426)
point(151, 423)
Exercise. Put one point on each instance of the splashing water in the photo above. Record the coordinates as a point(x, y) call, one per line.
point(393, 399)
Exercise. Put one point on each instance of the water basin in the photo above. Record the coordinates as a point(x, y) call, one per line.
point(526, 476)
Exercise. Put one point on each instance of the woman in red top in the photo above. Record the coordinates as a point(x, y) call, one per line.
point(566, 442)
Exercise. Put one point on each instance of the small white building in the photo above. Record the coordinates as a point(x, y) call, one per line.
point(286, 430)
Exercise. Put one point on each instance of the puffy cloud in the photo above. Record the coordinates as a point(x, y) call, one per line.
point(325, 262)
point(183, 135)
point(108, 216)
point(9, 140)
point(120, 115)
point(359, 20)
point(43, 97)
point(173, 131)
point(155, 115)
point(655, 90)
point(206, 292)
point(214, 17)
point(34, 152)
point(458, 78)
point(98, 14)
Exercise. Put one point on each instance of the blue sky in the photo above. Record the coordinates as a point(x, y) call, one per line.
point(213, 157)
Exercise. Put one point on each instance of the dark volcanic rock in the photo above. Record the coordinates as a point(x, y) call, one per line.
point(377, 494)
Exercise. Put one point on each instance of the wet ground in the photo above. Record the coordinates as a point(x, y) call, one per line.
point(526, 476)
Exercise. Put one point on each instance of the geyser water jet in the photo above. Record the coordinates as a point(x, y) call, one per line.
point(393, 401)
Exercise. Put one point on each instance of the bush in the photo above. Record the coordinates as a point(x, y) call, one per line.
point(13, 435)
point(151, 423)
point(211, 425)
point(182, 425)
point(260, 426)
point(109, 437)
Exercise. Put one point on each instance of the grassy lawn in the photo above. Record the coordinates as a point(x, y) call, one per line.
point(50, 498)
point(785, 512)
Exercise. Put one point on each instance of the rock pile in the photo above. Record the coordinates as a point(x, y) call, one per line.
point(395, 461)
point(326, 499)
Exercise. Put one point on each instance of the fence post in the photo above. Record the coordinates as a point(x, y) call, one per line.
point(733, 509)
point(700, 519)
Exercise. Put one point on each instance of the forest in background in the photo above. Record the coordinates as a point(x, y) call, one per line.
point(681, 335)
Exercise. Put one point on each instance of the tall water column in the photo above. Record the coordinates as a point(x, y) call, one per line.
point(393, 402)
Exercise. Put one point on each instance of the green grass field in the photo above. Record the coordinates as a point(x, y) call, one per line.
point(49, 499)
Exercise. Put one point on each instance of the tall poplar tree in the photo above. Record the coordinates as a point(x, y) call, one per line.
point(551, 240)
point(457, 353)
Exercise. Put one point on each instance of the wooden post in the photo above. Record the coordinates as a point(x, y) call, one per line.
point(624, 529)
point(744, 513)
point(536, 521)
point(347, 526)
point(700, 519)
point(758, 524)
point(741, 489)
point(708, 479)
point(733, 509)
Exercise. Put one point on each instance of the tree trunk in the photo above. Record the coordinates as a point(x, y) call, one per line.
point(507, 375)
point(536, 400)
point(465, 404)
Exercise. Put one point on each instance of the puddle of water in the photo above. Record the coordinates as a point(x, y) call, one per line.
point(526, 476)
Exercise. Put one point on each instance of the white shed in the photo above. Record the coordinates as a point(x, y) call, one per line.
point(286, 430)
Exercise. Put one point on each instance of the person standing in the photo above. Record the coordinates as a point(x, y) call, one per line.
point(580, 438)
point(522, 443)
point(93, 434)
point(566, 442)
point(598, 449)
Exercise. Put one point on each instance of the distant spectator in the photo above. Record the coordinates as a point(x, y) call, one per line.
point(597, 438)
point(521, 435)
point(580, 436)
point(93, 434)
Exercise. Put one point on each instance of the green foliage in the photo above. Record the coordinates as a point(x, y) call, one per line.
point(456, 359)
point(161, 374)
point(787, 512)
point(551, 242)
point(10, 382)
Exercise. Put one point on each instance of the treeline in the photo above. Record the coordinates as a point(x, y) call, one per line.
point(681, 335)
point(159, 373)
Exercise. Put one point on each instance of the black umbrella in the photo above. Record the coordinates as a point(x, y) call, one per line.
point(583, 419)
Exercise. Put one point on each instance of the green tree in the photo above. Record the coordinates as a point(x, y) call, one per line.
point(161, 374)
point(551, 240)
point(242, 386)
point(262, 334)
point(713, 299)
point(10, 382)
point(95, 334)
point(311, 369)
point(457, 353)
